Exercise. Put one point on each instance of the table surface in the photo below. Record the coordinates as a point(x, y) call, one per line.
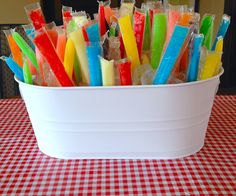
point(25, 170)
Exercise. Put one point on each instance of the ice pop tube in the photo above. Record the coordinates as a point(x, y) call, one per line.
point(101, 19)
point(112, 30)
point(25, 48)
point(153, 7)
point(219, 44)
point(15, 50)
point(66, 15)
point(147, 33)
point(45, 46)
point(93, 32)
point(171, 55)
point(222, 29)
point(71, 26)
point(80, 46)
point(69, 57)
point(158, 38)
point(14, 67)
point(126, 7)
point(30, 32)
point(52, 32)
point(173, 18)
point(139, 26)
point(114, 48)
point(109, 13)
point(61, 43)
point(195, 58)
point(85, 34)
point(122, 47)
point(185, 19)
point(108, 73)
point(35, 15)
point(207, 26)
point(124, 67)
point(26, 73)
point(94, 50)
point(77, 71)
point(40, 61)
point(129, 40)
point(213, 61)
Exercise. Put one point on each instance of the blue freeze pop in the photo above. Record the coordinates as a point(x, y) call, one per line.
point(93, 33)
point(15, 68)
point(195, 57)
point(222, 29)
point(94, 50)
point(31, 34)
point(171, 55)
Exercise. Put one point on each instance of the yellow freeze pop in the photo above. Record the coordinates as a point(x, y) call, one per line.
point(129, 40)
point(69, 57)
point(127, 7)
point(145, 59)
point(80, 47)
point(219, 44)
point(213, 61)
point(108, 72)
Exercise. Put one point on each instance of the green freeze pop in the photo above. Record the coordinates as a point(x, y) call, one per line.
point(147, 36)
point(25, 48)
point(158, 38)
point(207, 27)
point(77, 71)
point(26, 73)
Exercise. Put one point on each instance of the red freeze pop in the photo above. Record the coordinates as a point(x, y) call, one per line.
point(42, 41)
point(124, 67)
point(139, 25)
point(85, 34)
point(101, 19)
point(35, 14)
point(122, 48)
point(66, 14)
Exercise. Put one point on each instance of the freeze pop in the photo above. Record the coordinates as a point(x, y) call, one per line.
point(158, 38)
point(147, 33)
point(139, 26)
point(213, 61)
point(25, 48)
point(15, 50)
point(94, 50)
point(219, 44)
point(93, 32)
point(26, 73)
point(223, 29)
point(101, 18)
point(80, 46)
point(42, 41)
point(129, 40)
point(108, 73)
point(35, 15)
point(69, 57)
point(126, 7)
point(171, 55)
point(61, 43)
point(15, 68)
point(195, 58)
point(124, 67)
point(206, 29)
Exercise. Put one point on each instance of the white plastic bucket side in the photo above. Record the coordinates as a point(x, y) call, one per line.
point(170, 123)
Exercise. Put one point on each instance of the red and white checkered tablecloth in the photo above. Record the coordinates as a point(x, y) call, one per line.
point(24, 170)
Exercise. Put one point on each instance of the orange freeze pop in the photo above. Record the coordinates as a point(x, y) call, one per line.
point(16, 53)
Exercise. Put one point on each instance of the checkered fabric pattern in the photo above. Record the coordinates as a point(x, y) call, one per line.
point(24, 170)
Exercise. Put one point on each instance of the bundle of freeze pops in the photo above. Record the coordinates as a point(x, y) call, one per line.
point(120, 46)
